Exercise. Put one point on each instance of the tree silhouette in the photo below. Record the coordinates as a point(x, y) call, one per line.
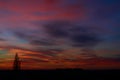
point(16, 65)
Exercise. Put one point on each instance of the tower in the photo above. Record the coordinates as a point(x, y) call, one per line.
point(16, 65)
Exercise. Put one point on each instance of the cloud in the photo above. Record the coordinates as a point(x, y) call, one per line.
point(84, 40)
point(50, 9)
point(5, 13)
point(21, 34)
point(1, 39)
point(57, 29)
point(78, 35)
point(32, 60)
point(41, 42)
point(58, 36)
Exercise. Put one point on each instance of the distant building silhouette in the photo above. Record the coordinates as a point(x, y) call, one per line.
point(16, 65)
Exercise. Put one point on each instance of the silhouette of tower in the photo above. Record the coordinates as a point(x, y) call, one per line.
point(16, 65)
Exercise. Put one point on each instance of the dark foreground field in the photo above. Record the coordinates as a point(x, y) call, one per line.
point(67, 74)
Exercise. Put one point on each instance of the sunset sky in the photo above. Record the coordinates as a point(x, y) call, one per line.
point(50, 34)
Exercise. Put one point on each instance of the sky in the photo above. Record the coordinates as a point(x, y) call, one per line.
point(52, 34)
